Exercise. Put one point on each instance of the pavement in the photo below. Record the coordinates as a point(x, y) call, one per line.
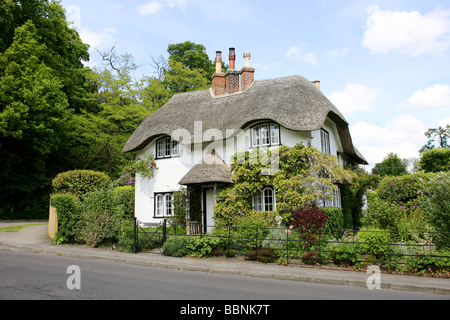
point(35, 239)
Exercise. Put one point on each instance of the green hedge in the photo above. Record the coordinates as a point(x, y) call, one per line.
point(68, 208)
point(80, 182)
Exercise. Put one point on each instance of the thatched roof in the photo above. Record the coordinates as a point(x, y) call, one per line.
point(293, 102)
point(210, 170)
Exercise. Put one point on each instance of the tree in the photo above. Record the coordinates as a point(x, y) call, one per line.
point(193, 56)
point(439, 136)
point(392, 165)
point(66, 51)
point(99, 135)
point(33, 119)
point(435, 160)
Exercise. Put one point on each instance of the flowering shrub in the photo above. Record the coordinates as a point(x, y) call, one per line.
point(402, 190)
point(146, 167)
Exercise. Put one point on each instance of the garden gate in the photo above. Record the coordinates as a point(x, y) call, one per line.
point(149, 238)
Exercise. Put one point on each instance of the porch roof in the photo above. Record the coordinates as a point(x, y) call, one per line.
point(212, 169)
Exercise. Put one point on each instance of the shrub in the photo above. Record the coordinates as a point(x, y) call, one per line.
point(127, 199)
point(176, 246)
point(345, 253)
point(374, 242)
point(335, 221)
point(401, 189)
point(68, 209)
point(436, 201)
point(308, 221)
point(80, 182)
point(381, 214)
point(250, 231)
point(102, 216)
point(202, 247)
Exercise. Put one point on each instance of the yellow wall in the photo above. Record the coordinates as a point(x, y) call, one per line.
point(52, 222)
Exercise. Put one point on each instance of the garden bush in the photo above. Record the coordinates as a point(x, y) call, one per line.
point(202, 247)
point(101, 218)
point(176, 246)
point(68, 210)
point(309, 222)
point(80, 182)
point(374, 242)
point(381, 214)
point(127, 199)
point(435, 199)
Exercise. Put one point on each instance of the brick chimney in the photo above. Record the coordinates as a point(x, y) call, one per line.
point(247, 72)
point(218, 78)
point(232, 75)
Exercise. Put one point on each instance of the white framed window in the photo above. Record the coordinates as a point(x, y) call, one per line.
point(334, 200)
point(264, 200)
point(325, 141)
point(167, 148)
point(265, 135)
point(163, 205)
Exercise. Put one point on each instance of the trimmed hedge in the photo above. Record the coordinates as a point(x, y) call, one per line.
point(80, 182)
point(68, 208)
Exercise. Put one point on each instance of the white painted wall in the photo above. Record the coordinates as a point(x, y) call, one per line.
point(171, 171)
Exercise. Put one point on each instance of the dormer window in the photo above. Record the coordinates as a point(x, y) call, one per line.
point(265, 135)
point(167, 148)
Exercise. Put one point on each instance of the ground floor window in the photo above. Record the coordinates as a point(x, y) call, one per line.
point(335, 200)
point(163, 205)
point(264, 200)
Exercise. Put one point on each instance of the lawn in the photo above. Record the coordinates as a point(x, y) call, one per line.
point(18, 228)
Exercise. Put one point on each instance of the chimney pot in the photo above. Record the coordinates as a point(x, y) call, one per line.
point(247, 73)
point(232, 58)
point(218, 61)
point(247, 57)
point(317, 84)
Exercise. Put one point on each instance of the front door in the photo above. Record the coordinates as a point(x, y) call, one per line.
point(208, 209)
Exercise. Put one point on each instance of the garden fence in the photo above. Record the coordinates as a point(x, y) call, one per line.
point(310, 246)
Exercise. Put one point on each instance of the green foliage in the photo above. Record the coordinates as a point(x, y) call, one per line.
point(251, 231)
point(202, 247)
point(345, 253)
point(80, 182)
point(380, 213)
point(33, 120)
point(401, 190)
point(440, 134)
point(127, 199)
point(192, 56)
point(335, 221)
point(68, 209)
point(435, 160)
point(101, 218)
point(392, 165)
point(374, 242)
point(176, 246)
point(304, 175)
point(435, 199)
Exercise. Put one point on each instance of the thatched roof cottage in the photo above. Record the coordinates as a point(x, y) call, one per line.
point(195, 135)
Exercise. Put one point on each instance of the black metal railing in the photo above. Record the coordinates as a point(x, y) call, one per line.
point(309, 246)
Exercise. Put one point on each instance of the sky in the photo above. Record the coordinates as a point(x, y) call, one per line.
point(384, 64)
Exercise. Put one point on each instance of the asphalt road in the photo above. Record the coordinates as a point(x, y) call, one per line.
point(45, 277)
